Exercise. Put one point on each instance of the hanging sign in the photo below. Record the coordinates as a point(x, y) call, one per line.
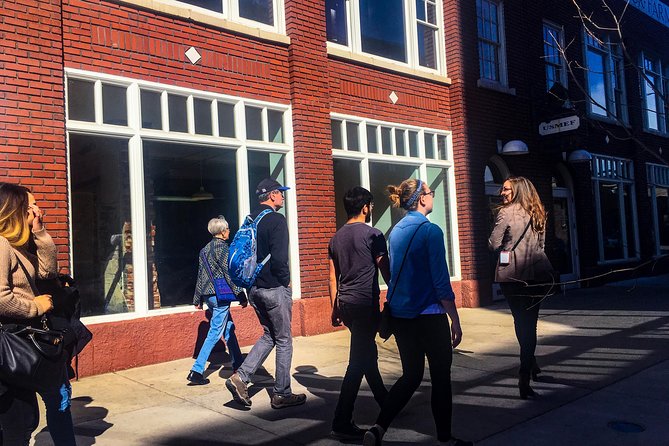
point(559, 125)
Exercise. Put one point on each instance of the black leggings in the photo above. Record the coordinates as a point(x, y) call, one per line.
point(425, 335)
point(524, 307)
point(19, 416)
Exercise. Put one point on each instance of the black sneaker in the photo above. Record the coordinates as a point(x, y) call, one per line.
point(293, 399)
point(238, 389)
point(347, 433)
point(196, 378)
point(372, 437)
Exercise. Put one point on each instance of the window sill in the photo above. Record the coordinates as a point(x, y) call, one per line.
point(656, 133)
point(607, 120)
point(376, 61)
point(209, 18)
point(495, 86)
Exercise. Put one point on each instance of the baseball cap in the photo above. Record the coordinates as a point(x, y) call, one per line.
point(268, 185)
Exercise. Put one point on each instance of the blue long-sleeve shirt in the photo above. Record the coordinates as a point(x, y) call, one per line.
point(424, 280)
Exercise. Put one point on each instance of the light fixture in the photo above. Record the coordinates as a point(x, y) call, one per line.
point(513, 147)
point(579, 156)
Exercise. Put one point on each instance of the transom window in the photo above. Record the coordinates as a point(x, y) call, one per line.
point(149, 165)
point(655, 87)
point(613, 184)
point(605, 78)
point(553, 60)
point(406, 31)
point(374, 154)
point(490, 25)
point(658, 191)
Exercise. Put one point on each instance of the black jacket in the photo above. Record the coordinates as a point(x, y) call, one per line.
point(272, 238)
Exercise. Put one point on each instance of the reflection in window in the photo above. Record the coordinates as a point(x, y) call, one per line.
point(386, 141)
point(346, 176)
point(372, 140)
point(437, 181)
point(266, 165)
point(202, 112)
point(226, 120)
point(352, 136)
point(275, 126)
point(605, 78)
point(380, 176)
point(553, 60)
point(254, 123)
point(80, 100)
point(335, 21)
point(212, 5)
point(654, 91)
point(257, 10)
point(426, 15)
point(101, 224)
point(382, 28)
point(489, 23)
point(114, 105)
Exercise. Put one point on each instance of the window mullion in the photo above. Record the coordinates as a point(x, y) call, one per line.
point(164, 111)
point(97, 101)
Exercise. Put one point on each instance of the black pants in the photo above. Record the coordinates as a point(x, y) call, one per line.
point(425, 335)
point(363, 322)
point(19, 416)
point(524, 304)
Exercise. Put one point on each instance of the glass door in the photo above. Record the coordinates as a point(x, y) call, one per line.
point(565, 254)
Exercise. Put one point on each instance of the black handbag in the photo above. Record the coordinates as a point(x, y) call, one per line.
point(31, 358)
point(385, 324)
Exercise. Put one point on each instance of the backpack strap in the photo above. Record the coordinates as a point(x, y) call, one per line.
point(206, 264)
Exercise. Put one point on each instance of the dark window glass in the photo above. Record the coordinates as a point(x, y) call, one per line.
point(386, 141)
point(80, 100)
point(382, 28)
point(335, 21)
point(253, 123)
point(413, 144)
point(610, 215)
point(114, 105)
point(400, 150)
point(257, 10)
point(202, 112)
point(429, 145)
point(372, 142)
point(212, 5)
point(596, 83)
point(346, 176)
point(150, 102)
point(352, 137)
point(226, 119)
point(177, 113)
point(629, 221)
point(337, 142)
point(275, 125)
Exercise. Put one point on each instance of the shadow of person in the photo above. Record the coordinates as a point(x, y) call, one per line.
point(89, 423)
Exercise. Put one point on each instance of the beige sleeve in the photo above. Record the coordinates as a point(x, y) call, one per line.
point(47, 255)
point(10, 304)
point(497, 235)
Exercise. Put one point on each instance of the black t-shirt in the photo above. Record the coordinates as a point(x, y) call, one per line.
point(353, 250)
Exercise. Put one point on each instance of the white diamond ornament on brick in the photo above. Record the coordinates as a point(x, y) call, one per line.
point(193, 55)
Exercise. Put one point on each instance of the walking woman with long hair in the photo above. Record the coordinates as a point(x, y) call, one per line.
point(421, 301)
point(518, 239)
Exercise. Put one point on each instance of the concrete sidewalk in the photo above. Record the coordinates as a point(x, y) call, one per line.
point(604, 353)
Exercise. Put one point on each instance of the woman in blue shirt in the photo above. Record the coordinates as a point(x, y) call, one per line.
point(421, 301)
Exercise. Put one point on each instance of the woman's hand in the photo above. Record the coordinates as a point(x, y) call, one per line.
point(39, 215)
point(44, 303)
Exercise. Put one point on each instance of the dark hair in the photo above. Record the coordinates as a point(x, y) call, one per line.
point(354, 200)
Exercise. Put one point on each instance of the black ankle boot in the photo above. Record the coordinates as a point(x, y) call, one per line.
point(535, 371)
point(524, 387)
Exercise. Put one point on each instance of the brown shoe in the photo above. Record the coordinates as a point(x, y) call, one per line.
point(238, 389)
point(293, 399)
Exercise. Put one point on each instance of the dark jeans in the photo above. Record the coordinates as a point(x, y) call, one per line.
point(363, 322)
point(19, 416)
point(524, 304)
point(425, 335)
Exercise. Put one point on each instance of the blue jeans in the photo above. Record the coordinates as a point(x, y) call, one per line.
point(59, 416)
point(221, 323)
point(274, 308)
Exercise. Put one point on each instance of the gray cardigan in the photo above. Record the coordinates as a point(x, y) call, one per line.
point(509, 226)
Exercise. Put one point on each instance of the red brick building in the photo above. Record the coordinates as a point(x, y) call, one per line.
point(136, 121)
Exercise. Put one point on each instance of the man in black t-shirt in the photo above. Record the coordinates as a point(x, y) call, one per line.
point(357, 252)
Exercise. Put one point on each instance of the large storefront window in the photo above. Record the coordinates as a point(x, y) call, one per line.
point(379, 154)
point(147, 178)
point(658, 191)
point(613, 180)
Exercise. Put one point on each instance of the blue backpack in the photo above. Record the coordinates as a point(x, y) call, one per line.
point(243, 265)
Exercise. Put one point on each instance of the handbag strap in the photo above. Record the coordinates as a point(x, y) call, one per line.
point(206, 264)
point(404, 258)
point(515, 245)
point(28, 276)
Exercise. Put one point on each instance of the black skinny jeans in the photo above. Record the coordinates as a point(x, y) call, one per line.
point(425, 335)
point(524, 304)
point(363, 322)
point(19, 416)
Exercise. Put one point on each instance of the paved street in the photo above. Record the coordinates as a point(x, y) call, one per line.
point(604, 353)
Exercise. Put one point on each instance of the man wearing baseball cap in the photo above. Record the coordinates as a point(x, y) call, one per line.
point(271, 297)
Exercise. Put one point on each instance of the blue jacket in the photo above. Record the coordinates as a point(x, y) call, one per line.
point(424, 279)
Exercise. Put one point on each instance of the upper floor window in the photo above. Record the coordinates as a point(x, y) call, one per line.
point(490, 25)
point(406, 31)
point(553, 60)
point(655, 86)
point(265, 13)
point(605, 78)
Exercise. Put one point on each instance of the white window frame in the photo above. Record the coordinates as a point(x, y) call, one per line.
point(611, 169)
point(661, 83)
point(558, 43)
point(614, 73)
point(503, 81)
point(411, 22)
point(136, 134)
point(658, 176)
point(228, 19)
point(421, 162)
